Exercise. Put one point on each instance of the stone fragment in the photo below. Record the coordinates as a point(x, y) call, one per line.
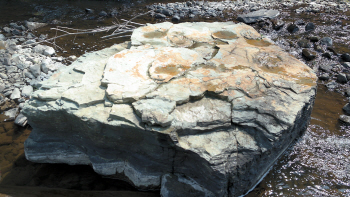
point(345, 57)
point(258, 15)
point(278, 24)
point(326, 41)
point(11, 114)
point(34, 25)
point(332, 85)
point(345, 119)
point(308, 54)
point(35, 70)
point(103, 13)
point(326, 67)
point(314, 39)
point(16, 94)
point(310, 27)
point(292, 28)
point(2, 37)
point(341, 78)
point(304, 43)
point(27, 91)
point(324, 77)
point(21, 120)
point(346, 109)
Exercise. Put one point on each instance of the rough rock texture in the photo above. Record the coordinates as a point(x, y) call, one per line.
point(253, 17)
point(193, 109)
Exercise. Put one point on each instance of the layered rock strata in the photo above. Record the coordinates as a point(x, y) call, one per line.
point(195, 109)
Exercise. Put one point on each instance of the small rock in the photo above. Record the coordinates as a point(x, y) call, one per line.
point(345, 57)
point(346, 65)
point(318, 48)
point(345, 119)
point(327, 55)
point(29, 42)
point(48, 51)
point(346, 109)
point(339, 22)
point(2, 37)
point(309, 55)
point(158, 15)
point(47, 65)
point(21, 100)
point(16, 94)
point(28, 74)
point(34, 25)
point(176, 18)
point(42, 37)
point(299, 22)
point(324, 77)
point(7, 30)
point(72, 58)
point(3, 76)
point(103, 13)
point(21, 120)
point(347, 92)
point(314, 39)
point(341, 78)
point(114, 13)
point(304, 43)
point(35, 70)
point(310, 27)
point(332, 50)
point(167, 12)
point(325, 68)
point(89, 11)
point(11, 113)
point(27, 91)
point(277, 24)
point(16, 32)
point(326, 41)
point(292, 28)
point(332, 85)
point(256, 16)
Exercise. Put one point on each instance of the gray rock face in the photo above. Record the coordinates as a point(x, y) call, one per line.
point(195, 109)
point(258, 15)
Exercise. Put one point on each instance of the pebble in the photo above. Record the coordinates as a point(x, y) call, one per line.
point(345, 119)
point(308, 54)
point(292, 28)
point(310, 27)
point(326, 41)
point(345, 57)
point(341, 78)
point(304, 43)
point(346, 109)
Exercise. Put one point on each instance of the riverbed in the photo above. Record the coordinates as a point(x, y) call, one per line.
point(316, 165)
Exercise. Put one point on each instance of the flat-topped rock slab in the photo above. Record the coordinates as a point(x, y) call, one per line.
point(190, 109)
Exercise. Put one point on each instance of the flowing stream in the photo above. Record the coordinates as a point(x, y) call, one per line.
point(317, 165)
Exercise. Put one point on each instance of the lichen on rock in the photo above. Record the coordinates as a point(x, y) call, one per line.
point(205, 106)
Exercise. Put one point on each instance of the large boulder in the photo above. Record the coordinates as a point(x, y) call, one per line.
point(192, 109)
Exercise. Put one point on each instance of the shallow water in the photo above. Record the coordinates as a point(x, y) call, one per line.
point(317, 165)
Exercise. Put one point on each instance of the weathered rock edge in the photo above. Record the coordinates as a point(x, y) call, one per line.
point(195, 109)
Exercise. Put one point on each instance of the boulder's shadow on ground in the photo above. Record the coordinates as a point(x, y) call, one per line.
point(32, 179)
